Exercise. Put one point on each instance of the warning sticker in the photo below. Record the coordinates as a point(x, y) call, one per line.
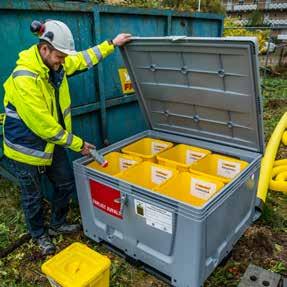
point(155, 216)
point(193, 156)
point(106, 198)
point(202, 189)
point(228, 169)
point(126, 82)
point(126, 163)
point(157, 147)
point(140, 208)
point(160, 175)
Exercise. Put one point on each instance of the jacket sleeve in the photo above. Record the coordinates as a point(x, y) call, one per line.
point(87, 59)
point(33, 110)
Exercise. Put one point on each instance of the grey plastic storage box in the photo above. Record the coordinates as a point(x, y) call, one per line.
point(198, 91)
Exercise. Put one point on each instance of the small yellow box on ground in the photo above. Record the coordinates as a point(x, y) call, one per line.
point(118, 162)
point(78, 266)
point(147, 148)
point(148, 175)
point(182, 156)
point(192, 189)
point(222, 168)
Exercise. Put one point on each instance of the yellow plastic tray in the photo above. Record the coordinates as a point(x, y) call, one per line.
point(118, 162)
point(220, 167)
point(78, 266)
point(191, 189)
point(148, 175)
point(147, 148)
point(182, 156)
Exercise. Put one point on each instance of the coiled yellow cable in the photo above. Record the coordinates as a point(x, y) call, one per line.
point(278, 181)
point(273, 174)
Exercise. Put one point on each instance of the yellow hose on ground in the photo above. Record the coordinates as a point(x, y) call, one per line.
point(284, 138)
point(279, 175)
point(274, 178)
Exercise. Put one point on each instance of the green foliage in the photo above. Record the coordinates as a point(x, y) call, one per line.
point(141, 3)
point(275, 102)
point(239, 30)
point(225, 275)
point(271, 215)
point(11, 215)
point(4, 234)
point(98, 1)
point(256, 18)
point(214, 6)
point(279, 267)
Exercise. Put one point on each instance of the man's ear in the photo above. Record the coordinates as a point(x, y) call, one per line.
point(44, 49)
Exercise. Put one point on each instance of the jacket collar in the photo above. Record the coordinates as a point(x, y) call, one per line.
point(43, 69)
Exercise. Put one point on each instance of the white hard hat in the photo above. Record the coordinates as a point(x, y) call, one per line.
point(59, 36)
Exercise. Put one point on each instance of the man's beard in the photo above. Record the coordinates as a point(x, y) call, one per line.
point(50, 66)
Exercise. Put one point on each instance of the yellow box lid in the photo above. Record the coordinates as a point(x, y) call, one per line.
point(76, 266)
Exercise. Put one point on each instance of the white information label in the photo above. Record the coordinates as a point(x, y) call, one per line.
point(160, 175)
point(126, 163)
point(157, 147)
point(202, 189)
point(159, 218)
point(193, 156)
point(155, 216)
point(227, 168)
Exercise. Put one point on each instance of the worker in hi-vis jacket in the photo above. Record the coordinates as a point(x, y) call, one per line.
point(38, 125)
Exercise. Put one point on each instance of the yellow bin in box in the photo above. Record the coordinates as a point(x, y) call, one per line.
point(220, 167)
point(192, 189)
point(182, 156)
point(148, 175)
point(147, 148)
point(78, 266)
point(118, 162)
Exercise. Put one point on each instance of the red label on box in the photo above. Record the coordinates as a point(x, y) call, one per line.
point(106, 198)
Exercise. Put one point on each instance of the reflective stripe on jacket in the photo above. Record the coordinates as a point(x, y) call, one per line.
point(31, 128)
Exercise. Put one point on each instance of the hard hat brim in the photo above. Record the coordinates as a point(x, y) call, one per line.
point(67, 52)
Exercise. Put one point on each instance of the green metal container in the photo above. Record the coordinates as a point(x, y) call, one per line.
point(102, 113)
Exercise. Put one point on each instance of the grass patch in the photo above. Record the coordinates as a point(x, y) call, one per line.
point(11, 215)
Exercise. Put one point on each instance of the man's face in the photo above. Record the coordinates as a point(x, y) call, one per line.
point(52, 58)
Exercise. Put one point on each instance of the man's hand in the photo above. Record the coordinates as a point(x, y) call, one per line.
point(86, 149)
point(121, 39)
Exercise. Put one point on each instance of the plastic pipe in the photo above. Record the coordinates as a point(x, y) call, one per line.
point(269, 158)
point(279, 175)
point(284, 139)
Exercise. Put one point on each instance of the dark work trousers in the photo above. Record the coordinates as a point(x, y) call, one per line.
point(61, 176)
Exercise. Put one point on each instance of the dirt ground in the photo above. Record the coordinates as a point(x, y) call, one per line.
point(263, 244)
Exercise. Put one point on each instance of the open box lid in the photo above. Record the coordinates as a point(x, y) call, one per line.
point(204, 88)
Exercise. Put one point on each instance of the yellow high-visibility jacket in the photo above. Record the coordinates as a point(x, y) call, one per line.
point(31, 128)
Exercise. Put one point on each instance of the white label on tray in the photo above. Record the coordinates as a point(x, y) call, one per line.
point(192, 156)
point(160, 175)
point(155, 216)
point(227, 168)
point(157, 147)
point(202, 189)
point(126, 163)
